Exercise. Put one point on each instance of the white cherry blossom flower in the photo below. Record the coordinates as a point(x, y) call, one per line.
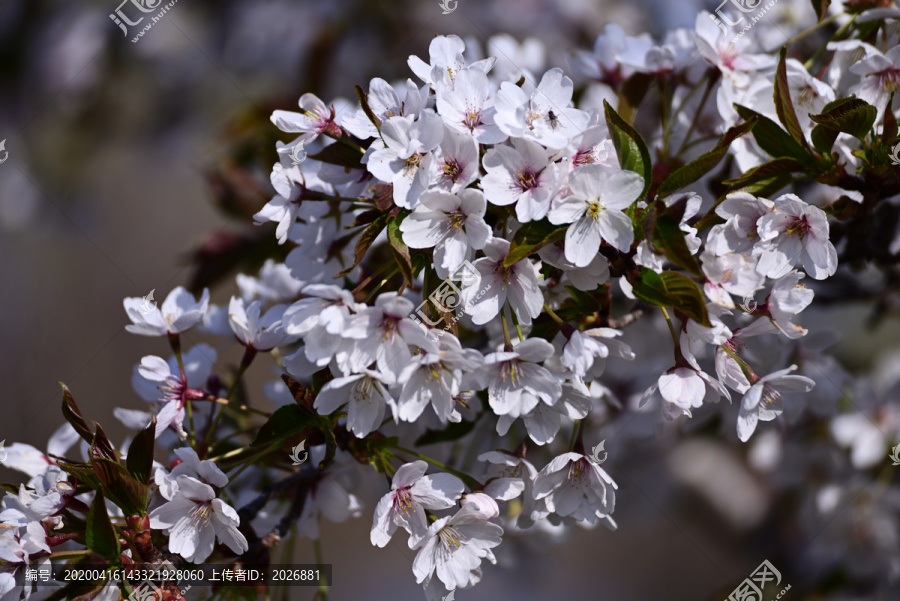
point(446, 55)
point(879, 76)
point(386, 102)
point(787, 298)
point(795, 232)
point(516, 284)
point(454, 547)
point(195, 519)
point(762, 402)
point(515, 383)
point(178, 313)
point(602, 64)
point(255, 331)
point(522, 174)
point(467, 107)
point(739, 233)
point(411, 493)
point(315, 118)
point(365, 395)
point(405, 159)
point(455, 162)
point(452, 223)
point(573, 486)
point(595, 208)
point(544, 421)
point(730, 57)
point(543, 113)
point(435, 377)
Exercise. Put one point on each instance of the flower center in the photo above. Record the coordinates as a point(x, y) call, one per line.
point(403, 500)
point(594, 209)
point(578, 473)
point(472, 119)
point(798, 226)
point(451, 539)
point(889, 79)
point(769, 396)
point(584, 157)
point(527, 180)
point(201, 513)
point(452, 170)
point(510, 372)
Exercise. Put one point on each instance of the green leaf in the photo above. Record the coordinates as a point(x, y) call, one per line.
point(671, 289)
point(399, 248)
point(632, 151)
point(365, 242)
point(123, 490)
point(341, 154)
point(784, 107)
point(284, 423)
point(73, 415)
point(101, 536)
point(766, 171)
point(848, 115)
point(139, 461)
point(364, 103)
point(82, 472)
point(774, 141)
point(668, 239)
point(532, 237)
point(705, 163)
point(453, 431)
point(823, 139)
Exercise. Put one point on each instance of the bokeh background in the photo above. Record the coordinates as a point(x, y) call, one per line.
point(123, 166)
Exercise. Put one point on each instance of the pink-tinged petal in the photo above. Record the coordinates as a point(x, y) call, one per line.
point(437, 491)
point(194, 489)
point(383, 526)
point(408, 474)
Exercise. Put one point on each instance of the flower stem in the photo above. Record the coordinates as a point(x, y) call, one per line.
point(469, 480)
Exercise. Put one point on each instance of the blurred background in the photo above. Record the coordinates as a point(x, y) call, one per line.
point(123, 165)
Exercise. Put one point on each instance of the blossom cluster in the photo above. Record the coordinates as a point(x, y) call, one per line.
point(568, 236)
